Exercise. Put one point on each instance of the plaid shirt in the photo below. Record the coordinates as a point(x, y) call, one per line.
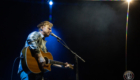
point(35, 41)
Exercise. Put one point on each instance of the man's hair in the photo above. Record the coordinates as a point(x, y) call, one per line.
point(44, 23)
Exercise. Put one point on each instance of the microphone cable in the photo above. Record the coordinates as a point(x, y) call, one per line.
point(13, 66)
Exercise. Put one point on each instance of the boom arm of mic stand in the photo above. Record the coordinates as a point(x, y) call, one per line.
point(71, 51)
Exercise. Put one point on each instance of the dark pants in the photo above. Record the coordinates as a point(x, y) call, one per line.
point(24, 76)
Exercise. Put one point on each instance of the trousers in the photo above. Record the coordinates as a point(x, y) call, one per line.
point(32, 76)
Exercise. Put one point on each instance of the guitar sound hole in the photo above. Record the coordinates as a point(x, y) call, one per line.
point(46, 60)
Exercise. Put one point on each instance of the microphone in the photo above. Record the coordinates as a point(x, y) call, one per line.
point(55, 36)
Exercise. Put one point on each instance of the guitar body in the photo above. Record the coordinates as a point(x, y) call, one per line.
point(30, 64)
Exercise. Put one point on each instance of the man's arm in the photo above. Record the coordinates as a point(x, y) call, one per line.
point(33, 41)
point(57, 65)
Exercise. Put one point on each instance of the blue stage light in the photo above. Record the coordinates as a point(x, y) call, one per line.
point(51, 3)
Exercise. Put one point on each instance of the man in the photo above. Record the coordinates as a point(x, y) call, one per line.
point(36, 41)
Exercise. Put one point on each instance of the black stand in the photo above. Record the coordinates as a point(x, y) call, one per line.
point(76, 57)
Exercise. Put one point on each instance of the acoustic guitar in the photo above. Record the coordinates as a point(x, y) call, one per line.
point(31, 65)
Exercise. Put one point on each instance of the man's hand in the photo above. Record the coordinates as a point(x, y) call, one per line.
point(67, 65)
point(41, 61)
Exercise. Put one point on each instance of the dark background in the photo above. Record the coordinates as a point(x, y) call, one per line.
point(95, 30)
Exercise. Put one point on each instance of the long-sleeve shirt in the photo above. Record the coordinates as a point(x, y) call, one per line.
point(35, 41)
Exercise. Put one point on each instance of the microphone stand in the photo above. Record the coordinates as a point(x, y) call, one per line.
point(76, 57)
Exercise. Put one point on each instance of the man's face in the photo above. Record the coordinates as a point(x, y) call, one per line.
point(47, 30)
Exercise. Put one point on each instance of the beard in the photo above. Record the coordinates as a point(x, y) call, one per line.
point(46, 34)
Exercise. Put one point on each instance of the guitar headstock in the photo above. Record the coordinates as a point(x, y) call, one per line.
point(71, 66)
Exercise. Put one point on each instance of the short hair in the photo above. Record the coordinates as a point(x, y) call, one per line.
point(44, 23)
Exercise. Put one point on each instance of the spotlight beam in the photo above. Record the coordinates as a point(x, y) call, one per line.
point(126, 33)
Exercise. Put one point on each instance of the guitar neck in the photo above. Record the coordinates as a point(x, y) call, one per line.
point(56, 62)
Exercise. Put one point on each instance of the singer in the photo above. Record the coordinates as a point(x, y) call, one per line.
point(36, 41)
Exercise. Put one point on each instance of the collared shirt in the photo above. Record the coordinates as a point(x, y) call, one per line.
point(35, 41)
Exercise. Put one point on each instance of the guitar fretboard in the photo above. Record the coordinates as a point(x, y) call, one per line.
point(56, 62)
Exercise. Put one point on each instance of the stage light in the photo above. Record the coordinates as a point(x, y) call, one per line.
point(128, 0)
point(51, 3)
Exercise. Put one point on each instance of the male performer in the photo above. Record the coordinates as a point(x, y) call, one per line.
point(36, 41)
